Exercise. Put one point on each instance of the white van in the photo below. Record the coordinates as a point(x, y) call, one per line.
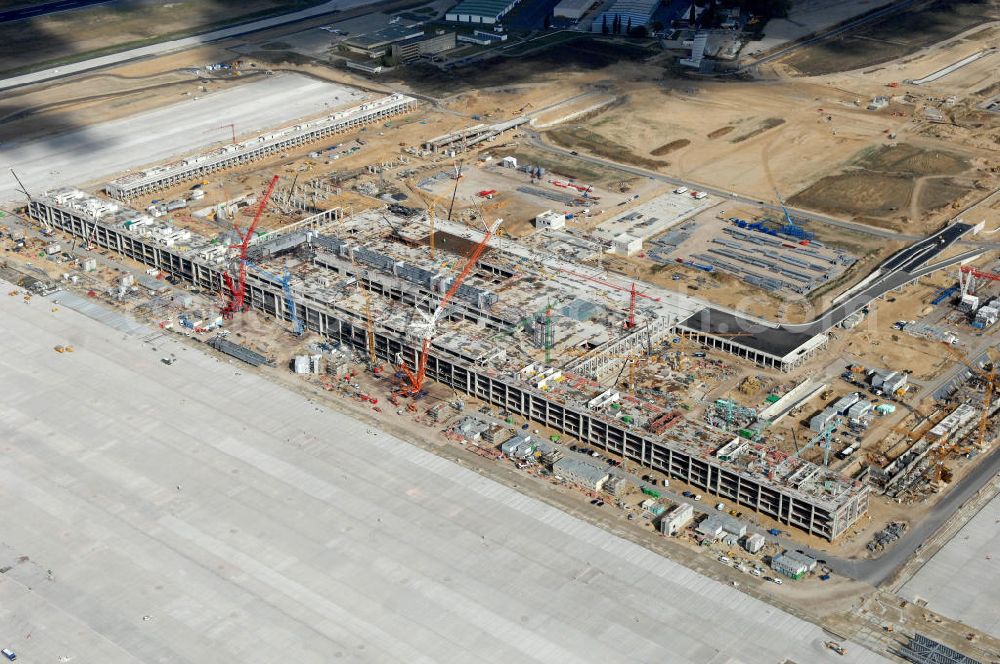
point(680, 190)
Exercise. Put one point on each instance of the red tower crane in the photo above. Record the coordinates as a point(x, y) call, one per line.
point(237, 291)
point(968, 275)
point(630, 323)
point(633, 294)
point(417, 379)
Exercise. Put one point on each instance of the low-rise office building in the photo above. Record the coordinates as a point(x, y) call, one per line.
point(376, 44)
point(411, 49)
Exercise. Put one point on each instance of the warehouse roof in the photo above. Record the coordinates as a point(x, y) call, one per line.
point(582, 469)
point(491, 8)
point(385, 36)
point(574, 4)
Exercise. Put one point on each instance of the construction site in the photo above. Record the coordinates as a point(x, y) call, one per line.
point(751, 322)
point(461, 264)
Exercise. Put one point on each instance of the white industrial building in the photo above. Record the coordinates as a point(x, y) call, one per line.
point(518, 447)
point(819, 422)
point(754, 543)
point(550, 219)
point(676, 519)
point(160, 177)
point(626, 245)
point(860, 410)
point(634, 12)
point(842, 404)
point(890, 381)
point(717, 525)
point(572, 9)
point(793, 564)
point(480, 11)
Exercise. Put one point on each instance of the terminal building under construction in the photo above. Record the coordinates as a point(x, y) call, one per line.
point(529, 333)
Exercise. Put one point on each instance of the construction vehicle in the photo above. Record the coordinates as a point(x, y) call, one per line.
point(969, 277)
point(236, 302)
point(430, 322)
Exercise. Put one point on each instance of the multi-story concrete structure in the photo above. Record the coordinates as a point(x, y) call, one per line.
point(790, 490)
point(155, 178)
point(411, 49)
point(376, 44)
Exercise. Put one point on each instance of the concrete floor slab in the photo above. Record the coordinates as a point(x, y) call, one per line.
point(200, 513)
point(958, 581)
point(109, 148)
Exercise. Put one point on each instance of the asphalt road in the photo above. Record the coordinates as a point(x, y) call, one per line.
point(896, 271)
point(832, 32)
point(48, 8)
point(178, 44)
point(880, 570)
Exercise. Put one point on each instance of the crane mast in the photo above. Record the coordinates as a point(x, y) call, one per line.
point(417, 379)
point(237, 290)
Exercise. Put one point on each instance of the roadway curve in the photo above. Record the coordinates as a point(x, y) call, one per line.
point(881, 570)
point(901, 268)
point(179, 44)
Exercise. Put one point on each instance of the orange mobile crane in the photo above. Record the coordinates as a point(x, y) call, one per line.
point(236, 302)
point(417, 379)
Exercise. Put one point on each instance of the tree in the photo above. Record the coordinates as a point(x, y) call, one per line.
point(548, 22)
point(628, 28)
point(657, 26)
point(640, 33)
point(604, 25)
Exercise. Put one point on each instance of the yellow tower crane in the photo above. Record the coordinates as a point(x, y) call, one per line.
point(430, 202)
point(988, 375)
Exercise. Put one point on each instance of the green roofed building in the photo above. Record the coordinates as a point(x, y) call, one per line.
point(480, 11)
